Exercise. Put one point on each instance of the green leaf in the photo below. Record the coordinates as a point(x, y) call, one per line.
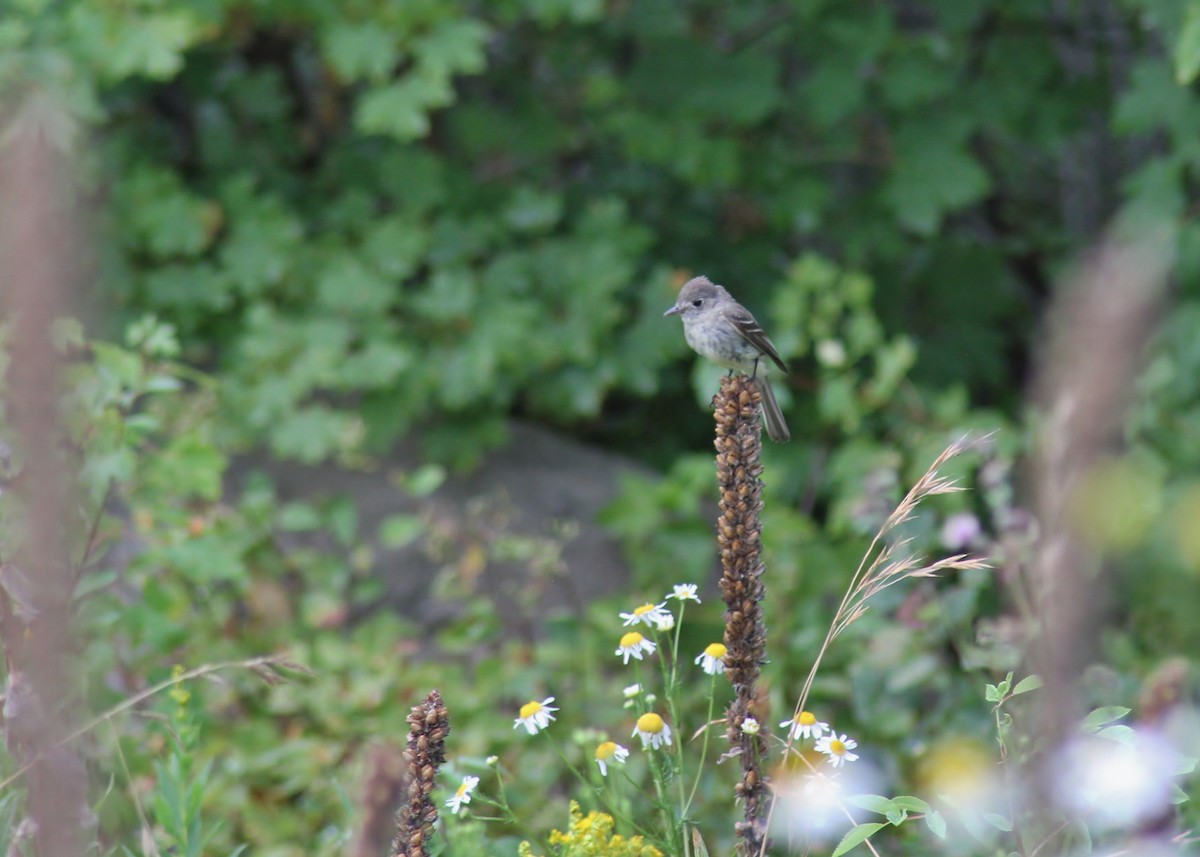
point(1104, 715)
point(1187, 46)
point(872, 803)
point(532, 210)
point(1155, 193)
point(914, 77)
point(67, 333)
point(149, 43)
point(998, 821)
point(168, 799)
point(206, 559)
point(911, 803)
point(689, 77)
point(451, 293)
point(1151, 100)
point(553, 12)
point(189, 466)
point(162, 384)
point(398, 110)
point(360, 50)
point(857, 836)
point(453, 46)
point(424, 480)
point(345, 285)
point(343, 520)
point(93, 582)
point(396, 531)
point(396, 245)
point(377, 365)
point(309, 433)
point(934, 174)
point(1120, 733)
point(298, 517)
point(1025, 685)
point(892, 363)
point(991, 693)
point(936, 824)
point(261, 246)
point(117, 465)
point(162, 217)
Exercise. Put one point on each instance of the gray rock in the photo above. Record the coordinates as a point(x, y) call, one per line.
point(520, 528)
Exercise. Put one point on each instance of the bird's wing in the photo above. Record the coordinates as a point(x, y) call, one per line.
point(749, 328)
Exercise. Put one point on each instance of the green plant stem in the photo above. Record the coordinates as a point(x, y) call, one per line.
point(675, 646)
point(670, 674)
point(712, 696)
point(147, 837)
point(579, 775)
point(620, 809)
point(656, 776)
point(1009, 784)
point(509, 817)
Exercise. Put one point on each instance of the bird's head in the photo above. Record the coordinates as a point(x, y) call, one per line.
point(696, 293)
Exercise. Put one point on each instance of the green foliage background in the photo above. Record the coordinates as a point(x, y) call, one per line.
point(363, 219)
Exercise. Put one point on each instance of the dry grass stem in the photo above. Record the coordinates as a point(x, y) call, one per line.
point(881, 568)
point(272, 665)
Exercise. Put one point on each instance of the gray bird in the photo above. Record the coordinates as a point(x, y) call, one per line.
point(724, 331)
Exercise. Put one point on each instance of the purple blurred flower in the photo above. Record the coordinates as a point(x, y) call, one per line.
point(960, 531)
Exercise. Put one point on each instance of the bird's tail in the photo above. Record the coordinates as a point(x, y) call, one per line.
point(777, 429)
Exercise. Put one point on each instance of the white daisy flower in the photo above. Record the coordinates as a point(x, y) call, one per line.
point(664, 623)
point(610, 751)
point(462, 797)
point(634, 645)
point(653, 731)
point(750, 726)
point(648, 614)
point(837, 749)
point(536, 716)
point(712, 659)
point(805, 725)
point(685, 592)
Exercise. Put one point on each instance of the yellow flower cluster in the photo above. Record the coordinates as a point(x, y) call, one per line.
point(592, 836)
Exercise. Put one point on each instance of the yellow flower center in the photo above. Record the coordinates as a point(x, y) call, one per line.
point(631, 639)
point(462, 790)
point(643, 610)
point(716, 650)
point(605, 751)
point(651, 723)
point(529, 709)
point(806, 718)
point(837, 747)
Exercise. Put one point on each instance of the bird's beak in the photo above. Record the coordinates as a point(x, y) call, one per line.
point(675, 310)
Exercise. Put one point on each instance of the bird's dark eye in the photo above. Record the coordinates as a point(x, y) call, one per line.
point(698, 302)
